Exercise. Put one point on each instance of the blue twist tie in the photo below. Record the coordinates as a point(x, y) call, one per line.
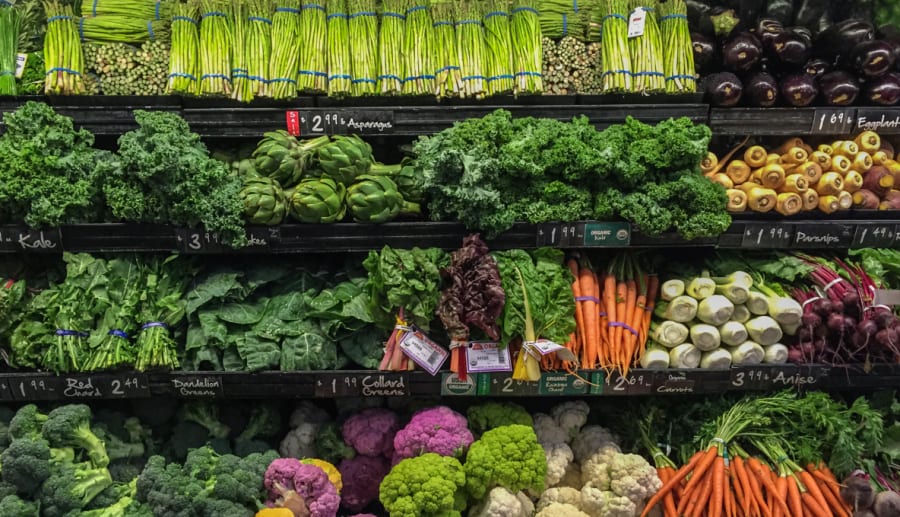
point(309, 72)
point(119, 334)
point(442, 24)
point(674, 77)
point(617, 16)
point(472, 77)
point(498, 77)
point(58, 18)
point(417, 77)
point(651, 74)
point(312, 6)
point(64, 332)
point(4, 3)
point(6, 72)
point(357, 81)
point(290, 10)
point(526, 10)
point(447, 69)
point(283, 80)
point(153, 324)
point(63, 69)
point(94, 8)
point(212, 14)
point(259, 19)
point(469, 22)
point(182, 74)
point(363, 13)
point(531, 74)
point(393, 15)
point(575, 6)
point(416, 8)
point(673, 17)
point(339, 76)
point(157, 9)
point(390, 76)
point(215, 76)
point(337, 15)
point(184, 19)
point(565, 25)
point(495, 13)
point(626, 72)
point(150, 31)
point(81, 29)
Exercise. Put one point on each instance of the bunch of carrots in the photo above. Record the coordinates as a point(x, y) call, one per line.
point(612, 312)
point(723, 480)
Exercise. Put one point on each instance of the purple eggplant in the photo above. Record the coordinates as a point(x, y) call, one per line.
point(723, 89)
point(839, 88)
point(890, 34)
point(837, 41)
point(781, 10)
point(704, 51)
point(742, 52)
point(799, 90)
point(790, 48)
point(761, 89)
point(884, 90)
point(767, 29)
point(872, 58)
point(816, 67)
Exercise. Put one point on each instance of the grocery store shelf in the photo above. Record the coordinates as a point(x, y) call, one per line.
point(833, 121)
point(338, 384)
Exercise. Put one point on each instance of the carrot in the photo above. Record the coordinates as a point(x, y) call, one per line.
point(699, 472)
point(810, 483)
point(652, 292)
point(637, 319)
point(695, 502)
point(741, 492)
point(627, 341)
point(727, 493)
point(596, 330)
point(718, 490)
point(737, 467)
point(764, 476)
point(621, 298)
point(666, 473)
point(835, 504)
point(674, 481)
point(793, 496)
point(576, 292)
point(812, 505)
point(703, 500)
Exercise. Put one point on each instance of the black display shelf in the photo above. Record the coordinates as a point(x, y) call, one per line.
point(27, 387)
point(826, 121)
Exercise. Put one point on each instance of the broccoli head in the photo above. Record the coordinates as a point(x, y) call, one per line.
point(245, 447)
point(265, 422)
point(13, 505)
point(125, 471)
point(70, 426)
point(26, 464)
point(222, 508)
point(72, 486)
point(6, 415)
point(28, 421)
point(429, 485)
point(495, 414)
point(186, 436)
point(508, 456)
point(116, 447)
point(205, 414)
point(167, 489)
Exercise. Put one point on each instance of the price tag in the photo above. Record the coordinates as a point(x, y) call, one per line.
point(636, 22)
point(198, 385)
point(505, 386)
point(775, 377)
point(487, 357)
point(675, 383)
point(366, 122)
point(452, 385)
point(632, 384)
point(890, 297)
point(423, 351)
point(318, 123)
point(827, 235)
point(884, 121)
point(34, 241)
point(767, 236)
point(560, 235)
point(381, 384)
point(120, 386)
point(198, 241)
point(557, 384)
point(21, 61)
point(875, 235)
point(607, 235)
point(293, 123)
point(833, 121)
point(35, 388)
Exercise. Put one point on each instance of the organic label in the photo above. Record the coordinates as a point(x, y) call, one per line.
point(452, 385)
point(487, 357)
point(21, 60)
point(423, 351)
point(636, 23)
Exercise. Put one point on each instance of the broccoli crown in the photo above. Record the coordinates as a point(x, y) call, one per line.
point(116, 447)
point(489, 415)
point(166, 489)
point(186, 436)
point(246, 447)
point(26, 464)
point(222, 508)
point(508, 456)
point(124, 471)
point(27, 421)
point(205, 414)
point(70, 426)
point(72, 486)
point(7, 489)
point(265, 422)
point(429, 485)
point(13, 505)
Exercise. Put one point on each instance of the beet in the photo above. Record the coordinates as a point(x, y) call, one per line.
point(811, 319)
point(885, 320)
point(837, 306)
point(887, 504)
point(886, 338)
point(795, 355)
point(857, 491)
point(867, 328)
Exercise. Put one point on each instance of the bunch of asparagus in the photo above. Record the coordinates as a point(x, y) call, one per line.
point(338, 37)
point(63, 56)
point(447, 74)
point(472, 50)
point(284, 60)
point(390, 47)
point(646, 50)
point(313, 73)
point(216, 44)
point(9, 38)
point(184, 66)
point(418, 50)
point(616, 60)
point(526, 44)
point(363, 28)
point(678, 54)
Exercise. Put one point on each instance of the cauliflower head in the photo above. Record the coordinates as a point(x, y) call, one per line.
point(429, 485)
point(633, 477)
point(561, 510)
point(603, 503)
point(439, 429)
point(595, 469)
point(560, 495)
point(489, 415)
point(559, 456)
point(548, 431)
point(571, 416)
point(500, 502)
point(508, 456)
point(591, 439)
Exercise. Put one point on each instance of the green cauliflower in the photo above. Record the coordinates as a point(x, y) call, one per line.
point(489, 415)
point(429, 485)
point(508, 456)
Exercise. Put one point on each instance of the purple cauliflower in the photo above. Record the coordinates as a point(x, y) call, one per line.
point(371, 432)
point(309, 482)
point(362, 476)
point(439, 430)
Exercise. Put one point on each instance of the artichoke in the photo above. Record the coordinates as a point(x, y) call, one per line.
point(318, 201)
point(264, 201)
point(245, 168)
point(283, 158)
point(374, 199)
point(345, 158)
point(409, 183)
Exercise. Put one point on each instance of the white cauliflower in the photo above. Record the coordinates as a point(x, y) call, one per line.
point(308, 413)
point(572, 478)
point(305, 421)
point(603, 503)
point(591, 439)
point(560, 495)
point(571, 417)
point(561, 510)
point(633, 477)
point(500, 502)
point(559, 457)
point(595, 469)
point(548, 431)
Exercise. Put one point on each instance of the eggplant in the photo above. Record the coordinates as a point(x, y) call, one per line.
point(762, 89)
point(872, 58)
point(704, 52)
point(723, 89)
point(698, 16)
point(767, 29)
point(890, 34)
point(884, 90)
point(803, 32)
point(781, 10)
point(837, 41)
point(816, 67)
point(839, 88)
point(790, 48)
point(742, 52)
point(799, 90)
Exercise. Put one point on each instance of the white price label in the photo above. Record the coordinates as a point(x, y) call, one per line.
point(21, 59)
point(636, 22)
point(543, 347)
point(487, 357)
point(423, 351)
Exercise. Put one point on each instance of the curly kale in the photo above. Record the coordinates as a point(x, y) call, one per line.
point(167, 176)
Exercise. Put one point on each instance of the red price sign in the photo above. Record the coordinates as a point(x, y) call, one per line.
point(293, 122)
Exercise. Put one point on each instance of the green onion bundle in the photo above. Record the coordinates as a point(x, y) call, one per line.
point(526, 48)
point(63, 56)
point(140, 9)
point(390, 47)
point(498, 42)
point(122, 29)
point(283, 64)
point(313, 73)
point(447, 75)
point(363, 28)
point(258, 45)
point(9, 37)
point(338, 37)
point(471, 48)
point(646, 52)
point(184, 63)
point(216, 42)
point(678, 54)
point(240, 74)
point(417, 49)
point(561, 18)
point(614, 44)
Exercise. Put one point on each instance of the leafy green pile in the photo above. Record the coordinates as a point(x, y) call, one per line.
point(48, 170)
point(164, 174)
point(343, 312)
point(407, 280)
point(13, 303)
point(491, 172)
